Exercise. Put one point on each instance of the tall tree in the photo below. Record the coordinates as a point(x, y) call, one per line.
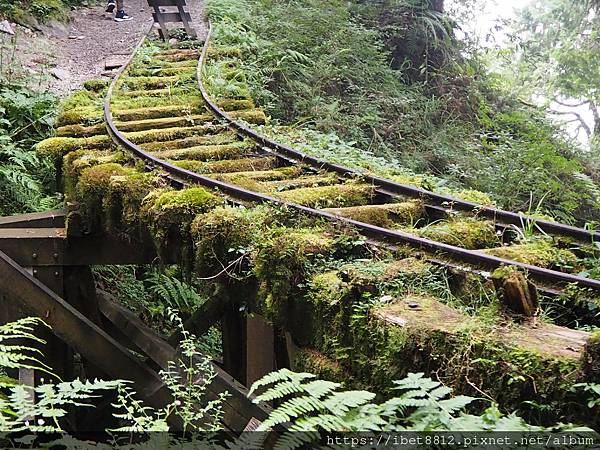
point(558, 45)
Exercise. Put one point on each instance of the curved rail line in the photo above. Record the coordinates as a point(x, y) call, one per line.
point(376, 232)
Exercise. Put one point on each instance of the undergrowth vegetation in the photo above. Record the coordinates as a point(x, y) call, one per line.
point(388, 78)
point(23, 11)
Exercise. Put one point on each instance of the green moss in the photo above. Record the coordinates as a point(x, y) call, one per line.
point(383, 215)
point(303, 181)
point(330, 196)
point(193, 141)
point(79, 131)
point(227, 166)
point(143, 83)
point(591, 358)
point(466, 232)
point(208, 152)
point(96, 85)
point(223, 234)
point(281, 265)
point(76, 162)
point(80, 99)
point(169, 134)
point(87, 115)
point(280, 173)
point(160, 71)
point(473, 196)
point(169, 217)
point(539, 253)
point(123, 202)
point(158, 112)
point(254, 116)
point(325, 368)
point(163, 122)
point(57, 147)
point(92, 188)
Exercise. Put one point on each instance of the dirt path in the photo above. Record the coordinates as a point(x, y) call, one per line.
point(66, 55)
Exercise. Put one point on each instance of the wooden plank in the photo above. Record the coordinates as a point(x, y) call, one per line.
point(171, 17)
point(260, 348)
point(115, 61)
point(239, 409)
point(50, 247)
point(47, 219)
point(79, 332)
point(166, 2)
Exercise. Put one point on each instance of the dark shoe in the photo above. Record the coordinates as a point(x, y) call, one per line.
point(122, 16)
point(110, 7)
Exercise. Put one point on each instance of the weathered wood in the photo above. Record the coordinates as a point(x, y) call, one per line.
point(47, 219)
point(239, 409)
point(51, 247)
point(516, 293)
point(115, 61)
point(207, 315)
point(78, 331)
point(260, 348)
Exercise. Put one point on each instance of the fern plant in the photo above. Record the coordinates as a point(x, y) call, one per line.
point(47, 402)
point(309, 407)
point(172, 293)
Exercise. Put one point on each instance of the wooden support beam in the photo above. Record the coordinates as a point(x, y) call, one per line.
point(51, 247)
point(207, 315)
point(260, 348)
point(78, 331)
point(47, 219)
point(239, 409)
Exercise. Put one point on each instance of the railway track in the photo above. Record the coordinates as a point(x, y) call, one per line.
point(214, 148)
point(158, 119)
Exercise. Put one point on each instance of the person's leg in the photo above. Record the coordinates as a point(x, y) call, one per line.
point(120, 5)
point(121, 15)
point(110, 6)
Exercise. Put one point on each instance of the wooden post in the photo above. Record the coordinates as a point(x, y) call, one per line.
point(260, 348)
point(163, 17)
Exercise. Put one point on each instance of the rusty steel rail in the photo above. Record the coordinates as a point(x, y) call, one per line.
point(378, 233)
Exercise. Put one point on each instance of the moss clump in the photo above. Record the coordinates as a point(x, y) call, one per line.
point(254, 116)
point(142, 83)
point(76, 162)
point(330, 196)
point(81, 99)
point(470, 195)
point(124, 200)
point(236, 104)
point(57, 147)
point(158, 112)
point(224, 234)
point(280, 173)
point(242, 181)
point(193, 141)
point(227, 166)
point(325, 368)
point(591, 358)
point(160, 71)
point(165, 122)
point(81, 130)
point(169, 216)
point(303, 181)
point(208, 152)
point(280, 266)
point(169, 134)
point(96, 86)
point(383, 215)
point(87, 115)
point(538, 253)
point(467, 232)
point(91, 190)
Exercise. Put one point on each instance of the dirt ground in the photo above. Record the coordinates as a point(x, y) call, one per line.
point(62, 56)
